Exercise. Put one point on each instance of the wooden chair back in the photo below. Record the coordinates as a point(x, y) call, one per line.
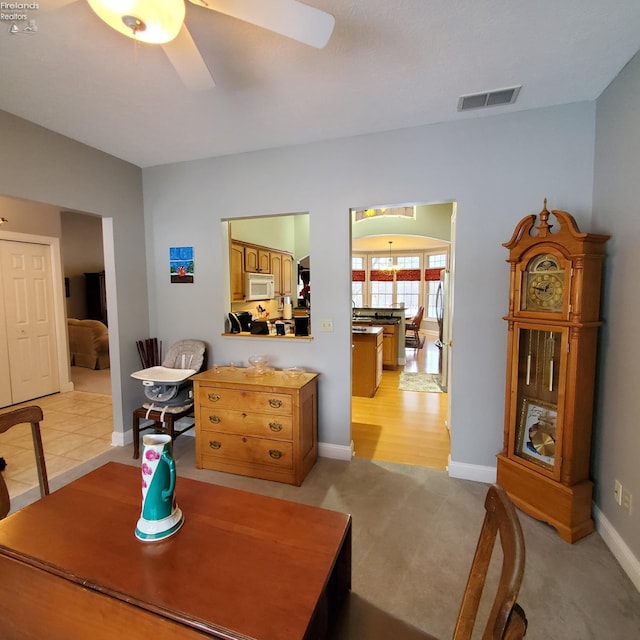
point(33, 415)
point(507, 620)
point(417, 321)
point(413, 327)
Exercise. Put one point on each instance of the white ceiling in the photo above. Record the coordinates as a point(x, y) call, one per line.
point(389, 64)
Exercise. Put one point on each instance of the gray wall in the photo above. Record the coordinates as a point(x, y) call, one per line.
point(24, 216)
point(524, 157)
point(276, 232)
point(45, 167)
point(617, 211)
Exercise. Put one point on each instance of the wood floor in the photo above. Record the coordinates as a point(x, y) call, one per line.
point(408, 427)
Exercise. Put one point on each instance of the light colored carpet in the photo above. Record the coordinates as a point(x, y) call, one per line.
point(414, 534)
point(91, 380)
point(429, 382)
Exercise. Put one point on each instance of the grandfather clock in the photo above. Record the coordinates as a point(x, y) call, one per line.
point(553, 320)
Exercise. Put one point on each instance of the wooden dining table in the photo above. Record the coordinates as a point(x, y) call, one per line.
point(243, 566)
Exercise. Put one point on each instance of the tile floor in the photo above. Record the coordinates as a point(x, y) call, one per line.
point(77, 426)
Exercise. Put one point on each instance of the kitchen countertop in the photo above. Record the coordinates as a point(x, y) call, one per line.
point(371, 320)
point(367, 330)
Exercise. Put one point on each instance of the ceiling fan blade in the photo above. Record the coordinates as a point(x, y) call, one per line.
point(289, 18)
point(187, 61)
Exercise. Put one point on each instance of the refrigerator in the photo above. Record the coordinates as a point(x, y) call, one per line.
point(443, 316)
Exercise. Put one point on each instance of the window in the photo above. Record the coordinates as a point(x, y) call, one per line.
point(381, 262)
point(414, 280)
point(357, 294)
point(400, 288)
point(408, 284)
point(408, 262)
point(404, 211)
point(408, 292)
point(382, 293)
point(434, 261)
point(357, 286)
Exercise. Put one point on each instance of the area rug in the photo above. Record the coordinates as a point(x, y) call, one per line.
point(429, 382)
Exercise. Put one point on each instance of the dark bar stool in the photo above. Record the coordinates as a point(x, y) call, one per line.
point(161, 424)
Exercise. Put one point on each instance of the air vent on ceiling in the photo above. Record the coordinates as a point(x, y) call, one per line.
point(488, 98)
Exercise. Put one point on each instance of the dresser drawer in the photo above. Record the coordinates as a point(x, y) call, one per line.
point(249, 400)
point(228, 447)
point(263, 425)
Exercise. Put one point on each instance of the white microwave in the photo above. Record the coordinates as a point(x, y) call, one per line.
point(259, 286)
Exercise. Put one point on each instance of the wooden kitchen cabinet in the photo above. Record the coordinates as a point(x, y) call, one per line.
point(257, 259)
point(389, 347)
point(236, 264)
point(366, 368)
point(259, 426)
point(249, 258)
point(287, 268)
point(281, 267)
point(276, 269)
point(389, 342)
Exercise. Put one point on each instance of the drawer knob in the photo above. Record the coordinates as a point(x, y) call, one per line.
point(213, 397)
point(215, 444)
point(275, 454)
point(215, 419)
point(275, 403)
point(275, 426)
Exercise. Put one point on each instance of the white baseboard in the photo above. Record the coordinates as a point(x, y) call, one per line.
point(335, 451)
point(621, 552)
point(475, 472)
point(119, 439)
point(629, 563)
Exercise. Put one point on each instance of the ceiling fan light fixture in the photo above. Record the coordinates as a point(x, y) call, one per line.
point(145, 20)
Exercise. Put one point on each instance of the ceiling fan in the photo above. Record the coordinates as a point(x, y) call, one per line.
point(162, 22)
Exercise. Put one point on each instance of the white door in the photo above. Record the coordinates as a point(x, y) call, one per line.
point(30, 324)
point(5, 375)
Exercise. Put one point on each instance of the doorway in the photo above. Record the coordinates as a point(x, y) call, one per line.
point(60, 246)
point(397, 424)
point(84, 270)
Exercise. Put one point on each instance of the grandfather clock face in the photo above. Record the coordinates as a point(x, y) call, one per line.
point(543, 286)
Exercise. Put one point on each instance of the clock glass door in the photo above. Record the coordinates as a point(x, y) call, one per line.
point(537, 428)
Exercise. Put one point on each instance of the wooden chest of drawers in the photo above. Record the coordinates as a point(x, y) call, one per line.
point(260, 426)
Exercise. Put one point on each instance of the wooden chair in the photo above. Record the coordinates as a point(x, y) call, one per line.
point(506, 619)
point(412, 329)
point(33, 415)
